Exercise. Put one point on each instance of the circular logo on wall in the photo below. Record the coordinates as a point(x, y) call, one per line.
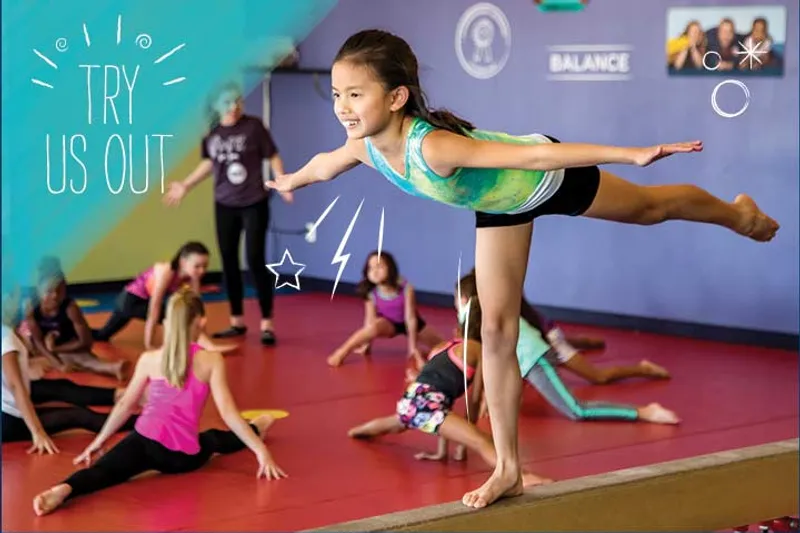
point(483, 40)
point(237, 173)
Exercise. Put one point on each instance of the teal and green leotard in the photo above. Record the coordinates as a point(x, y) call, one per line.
point(488, 190)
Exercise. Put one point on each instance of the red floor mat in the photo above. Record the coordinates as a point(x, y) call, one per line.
point(728, 396)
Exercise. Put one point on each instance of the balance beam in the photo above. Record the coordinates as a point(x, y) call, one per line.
point(705, 493)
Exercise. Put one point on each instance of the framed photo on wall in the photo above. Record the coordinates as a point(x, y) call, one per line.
point(719, 40)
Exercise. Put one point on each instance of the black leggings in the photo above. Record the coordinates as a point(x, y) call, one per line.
point(136, 454)
point(254, 220)
point(128, 307)
point(57, 419)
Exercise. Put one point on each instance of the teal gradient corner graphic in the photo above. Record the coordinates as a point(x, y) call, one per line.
point(101, 99)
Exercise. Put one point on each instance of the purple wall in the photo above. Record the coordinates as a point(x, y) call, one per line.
point(676, 271)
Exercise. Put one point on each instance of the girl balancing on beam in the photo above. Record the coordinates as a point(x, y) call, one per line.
point(508, 181)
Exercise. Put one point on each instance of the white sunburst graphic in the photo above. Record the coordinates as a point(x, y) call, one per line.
point(143, 41)
point(751, 52)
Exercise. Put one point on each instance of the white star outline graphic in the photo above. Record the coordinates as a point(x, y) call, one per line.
point(750, 53)
point(272, 268)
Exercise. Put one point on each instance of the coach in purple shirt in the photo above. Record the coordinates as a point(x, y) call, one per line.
point(234, 149)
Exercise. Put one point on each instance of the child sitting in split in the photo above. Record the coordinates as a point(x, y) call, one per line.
point(390, 309)
point(58, 331)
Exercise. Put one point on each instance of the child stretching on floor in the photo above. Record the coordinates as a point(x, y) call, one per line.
point(59, 332)
point(145, 297)
point(536, 356)
point(390, 309)
point(22, 420)
point(166, 437)
point(428, 401)
point(567, 354)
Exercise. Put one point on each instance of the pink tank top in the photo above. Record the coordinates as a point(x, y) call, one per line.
point(142, 285)
point(171, 416)
point(392, 308)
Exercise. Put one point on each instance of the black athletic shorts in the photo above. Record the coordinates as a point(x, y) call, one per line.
point(575, 195)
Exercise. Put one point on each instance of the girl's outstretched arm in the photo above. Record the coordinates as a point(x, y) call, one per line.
point(226, 406)
point(12, 375)
point(163, 277)
point(322, 167)
point(122, 409)
point(445, 152)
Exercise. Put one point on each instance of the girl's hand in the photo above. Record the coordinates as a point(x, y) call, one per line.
point(86, 456)
point(267, 467)
point(425, 456)
point(461, 453)
point(414, 355)
point(42, 443)
point(287, 197)
point(646, 156)
point(50, 340)
point(177, 190)
point(282, 183)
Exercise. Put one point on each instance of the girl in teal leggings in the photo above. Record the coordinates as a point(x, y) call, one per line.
point(537, 360)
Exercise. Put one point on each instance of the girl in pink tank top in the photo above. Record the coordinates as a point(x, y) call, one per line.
point(166, 437)
point(145, 297)
point(390, 309)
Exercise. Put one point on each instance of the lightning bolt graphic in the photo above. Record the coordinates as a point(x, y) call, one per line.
point(340, 258)
point(466, 343)
point(458, 281)
point(380, 235)
point(466, 328)
point(324, 214)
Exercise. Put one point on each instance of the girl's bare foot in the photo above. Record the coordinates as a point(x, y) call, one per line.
point(263, 423)
point(657, 414)
point(118, 393)
point(360, 432)
point(122, 370)
point(364, 349)
point(755, 223)
point(503, 483)
point(49, 500)
point(336, 359)
point(531, 480)
point(654, 370)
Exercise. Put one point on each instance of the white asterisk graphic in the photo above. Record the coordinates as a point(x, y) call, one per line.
point(750, 53)
point(273, 266)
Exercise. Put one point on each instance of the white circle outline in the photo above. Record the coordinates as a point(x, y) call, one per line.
point(719, 60)
point(716, 107)
point(467, 17)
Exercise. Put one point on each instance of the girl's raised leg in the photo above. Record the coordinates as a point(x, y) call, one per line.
point(619, 200)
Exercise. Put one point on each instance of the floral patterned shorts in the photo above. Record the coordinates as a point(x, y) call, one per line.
point(423, 408)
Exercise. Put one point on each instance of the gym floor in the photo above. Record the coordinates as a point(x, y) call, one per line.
point(728, 396)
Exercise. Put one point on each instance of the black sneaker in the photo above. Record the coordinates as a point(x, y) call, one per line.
point(268, 338)
point(233, 331)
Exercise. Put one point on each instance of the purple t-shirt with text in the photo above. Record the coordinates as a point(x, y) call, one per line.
point(238, 152)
